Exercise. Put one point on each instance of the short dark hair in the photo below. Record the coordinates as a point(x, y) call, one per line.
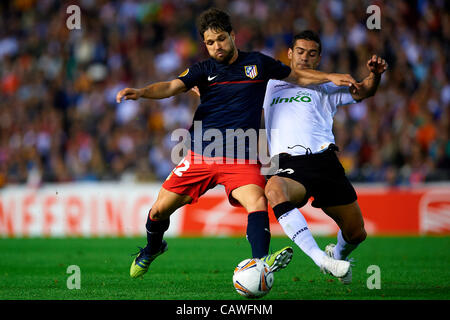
point(307, 35)
point(214, 19)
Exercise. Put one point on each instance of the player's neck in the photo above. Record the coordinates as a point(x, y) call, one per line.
point(234, 57)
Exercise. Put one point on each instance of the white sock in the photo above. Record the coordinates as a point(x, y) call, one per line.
point(296, 228)
point(343, 248)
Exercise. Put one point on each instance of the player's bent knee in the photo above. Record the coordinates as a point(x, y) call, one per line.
point(274, 191)
point(274, 197)
point(155, 215)
point(158, 214)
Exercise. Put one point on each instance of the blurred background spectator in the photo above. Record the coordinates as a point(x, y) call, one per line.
point(59, 121)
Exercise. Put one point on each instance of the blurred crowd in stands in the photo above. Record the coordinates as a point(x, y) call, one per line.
point(59, 121)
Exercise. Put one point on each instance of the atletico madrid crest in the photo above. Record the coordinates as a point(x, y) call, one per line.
point(251, 71)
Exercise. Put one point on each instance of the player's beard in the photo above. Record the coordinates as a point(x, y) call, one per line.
point(227, 56)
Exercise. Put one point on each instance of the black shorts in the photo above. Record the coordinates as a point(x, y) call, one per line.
point(321, 174)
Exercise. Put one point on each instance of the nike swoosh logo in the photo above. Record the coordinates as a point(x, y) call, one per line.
point(211, 78)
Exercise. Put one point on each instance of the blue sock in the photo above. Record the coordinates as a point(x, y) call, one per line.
point(258, 233)
point(155, 232)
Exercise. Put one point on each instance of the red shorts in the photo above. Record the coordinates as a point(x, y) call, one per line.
point(196, 174)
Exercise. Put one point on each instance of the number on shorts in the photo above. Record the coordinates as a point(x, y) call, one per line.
point(288, 171)
point(182, 167)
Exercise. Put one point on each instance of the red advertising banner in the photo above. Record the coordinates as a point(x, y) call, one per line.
point(386, 211)
point(104, 209)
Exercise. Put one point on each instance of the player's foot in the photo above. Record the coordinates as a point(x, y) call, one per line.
point(347, 278)
point(141, 263)
point(278, 260)
point(337, 268)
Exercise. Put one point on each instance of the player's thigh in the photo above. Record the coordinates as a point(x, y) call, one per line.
point(281, 189)
point(166, 203)
point(349, 219)
point(251, 197)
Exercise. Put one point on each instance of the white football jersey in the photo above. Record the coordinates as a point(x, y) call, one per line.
point(299, 120)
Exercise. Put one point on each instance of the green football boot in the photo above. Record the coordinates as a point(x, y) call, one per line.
point(141, 263)
point(278, 260)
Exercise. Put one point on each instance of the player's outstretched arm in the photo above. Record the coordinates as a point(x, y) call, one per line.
point(158, 90)
point(367, 88)
point(306, 77)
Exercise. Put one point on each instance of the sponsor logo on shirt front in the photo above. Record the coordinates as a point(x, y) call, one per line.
point(300, 97)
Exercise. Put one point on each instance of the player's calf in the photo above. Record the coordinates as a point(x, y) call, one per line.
point(155, 232)
point(258, 233)
point(355, 236)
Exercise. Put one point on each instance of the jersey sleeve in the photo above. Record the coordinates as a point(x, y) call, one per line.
point(274, 69)
point(193, 75)
point(338, 95)
point(268, 95)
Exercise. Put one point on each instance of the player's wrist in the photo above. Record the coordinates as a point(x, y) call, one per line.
point(333, 77)
point(374, 75)
point(140, 92)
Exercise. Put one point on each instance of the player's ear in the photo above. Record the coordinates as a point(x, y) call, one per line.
point(290, 54)
point(233, 35)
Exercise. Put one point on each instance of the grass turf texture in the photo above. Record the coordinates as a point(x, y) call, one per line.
point(202, 268)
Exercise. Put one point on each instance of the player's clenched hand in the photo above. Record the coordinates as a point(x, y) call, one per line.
point(127, 94)
point(196, 90)
point(342, 79)
point(376, 65)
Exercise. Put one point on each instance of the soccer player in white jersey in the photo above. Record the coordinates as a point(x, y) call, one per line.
point(299, 124)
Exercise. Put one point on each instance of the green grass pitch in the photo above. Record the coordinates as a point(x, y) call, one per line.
point(201, 269)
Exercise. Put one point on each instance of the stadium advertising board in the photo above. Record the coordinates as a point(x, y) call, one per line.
point(91, 210)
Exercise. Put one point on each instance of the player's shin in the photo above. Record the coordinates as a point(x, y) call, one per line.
point(258, 233)
point(296, 228)
point(155, 232)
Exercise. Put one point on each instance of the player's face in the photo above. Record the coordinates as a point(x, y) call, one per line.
point(304, 55)
point(220, 45)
